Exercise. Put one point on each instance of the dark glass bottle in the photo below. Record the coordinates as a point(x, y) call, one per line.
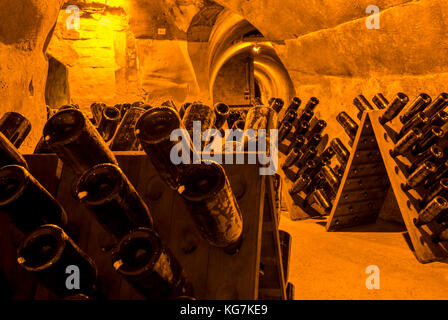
point(348, 124)
point(419, 176)
point(380, 101)
point(292, 157)
point(314, 141)
point(327, 154)
point(362, 104)
point(15, 127)
point(318, 128)
point(26, 202)
point(312, 104)
point(76, 141)
point(439, 120)
point(298, 143)
point(289, 117)
point(142, 259)
point(440, 189)
point(341, 151)
point(9, 154)
point(407, 142)
point(417, 122)
point(199, 112)
point(222, 112)
point(277, 104)
point(306, 116)
point(48, 253)
point(440, 236)
point(110, 196)
point(154, 129)
point(125, 139)
point(212, 204)
point(284, 131)
point(431, 211)
point(430, 138)
point(301, 183)
point(109, 122)
point(394, 108)
point(308, 154)
point(322, 199)
point(97, 112)
point(437, 105)
point(434, 154)
point(417, 106)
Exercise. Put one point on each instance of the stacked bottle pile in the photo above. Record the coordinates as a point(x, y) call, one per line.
point(310, 164)
point(421, 149)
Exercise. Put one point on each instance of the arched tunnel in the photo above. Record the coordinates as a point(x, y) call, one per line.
point(103, 159)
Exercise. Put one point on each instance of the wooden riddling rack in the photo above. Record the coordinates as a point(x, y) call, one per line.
point(213, 273)
point(369, 173)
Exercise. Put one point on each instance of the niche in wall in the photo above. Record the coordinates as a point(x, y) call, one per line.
point(57, 91)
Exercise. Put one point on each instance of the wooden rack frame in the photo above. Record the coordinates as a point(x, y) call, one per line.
point(370, 170)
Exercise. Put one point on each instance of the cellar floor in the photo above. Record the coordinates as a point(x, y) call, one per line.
point(332, 265)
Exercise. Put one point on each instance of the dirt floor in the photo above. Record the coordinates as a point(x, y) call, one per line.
point(332, 265)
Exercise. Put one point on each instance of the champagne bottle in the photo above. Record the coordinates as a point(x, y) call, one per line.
point(306, 116)
point(298, 143)
point(330, 176)
point(312, 104)
point(327, 154)
point(142, 259)
point(153, 130)
point(110, 196)
point(348, 124)
point(301, 183)
point(362, 104)
point(431, 211)
point(440, 189)
point(437, 105)
point(124, 138)
point(76, 141)
point(417, 106)
point(380, 101)
point(26, 202)
point(308, 154)
point(341, 151)
point(48, 252)
point(310, 169)
point(277, 104)
point(284, 131)
point(212, 204)
point(417, 122)
point(199, 112)
point(15, 127)
point(292, 157)
point(394, 108)
point(109, 122)
point(431, 137)
point(318, 128)
point(439, 120)
point(9, 154)
point(222, 112)
point(434, 154)
point(289, 117)
point(97, 111)
point(440, 236)
point(419, 176)
point(441, 172)
point(322, 199)
point(407, 142)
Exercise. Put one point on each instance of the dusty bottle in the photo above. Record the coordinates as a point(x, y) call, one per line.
point(97, 111)
point(437, 105)
point(440, 189)
point(301, 183)
point(298, 143)
point(312, 104)
point(419, 176)
point(314, 141)
point(9, 154)
point(322, 199)
point(154, 129)
point(277, 104)
point(199, 114)
point(15, 127)
point(284, 131)
point(142, 259)
point(430, 138)
point(310, 169)
point(439, 120)
point(417, 122)
point(407, 142)
point(26, 202)
point(109, 122)
point(292, 157)
point(110, 196)
point(394, 108)
point(441, 172)
point(380, 101)
point(341, 151)
point(306, 116)
point(330, 176)
point(124, 138)
point(434, 154)
point(348, 124)
point(222, 112)
point(49, 254)
point(431, 211)
point(362, 104)
point(327, 154)
point(301, 129)
point(308, 154)
point(318, 128)
point(76, 141)
point(417, 106)
point(212, 204)
point(289, 117)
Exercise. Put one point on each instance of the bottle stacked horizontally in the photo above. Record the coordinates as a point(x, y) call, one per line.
point(422, 142)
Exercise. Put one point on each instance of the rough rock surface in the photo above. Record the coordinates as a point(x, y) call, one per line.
point(24, 28)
